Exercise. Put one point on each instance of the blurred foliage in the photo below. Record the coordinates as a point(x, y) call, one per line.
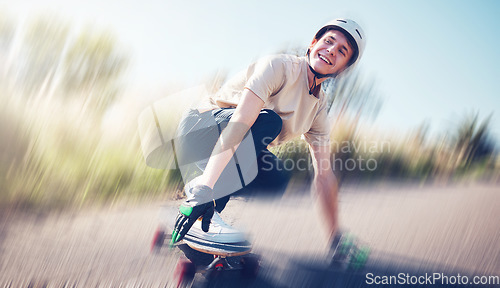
point(57, 84)
point(52, 59)
point(43, 44)
point(353, 93)
point(91, 69)
point(471, 141)
point(7, 30)
point(359, 153)
point(50, 162)
point(464, 152)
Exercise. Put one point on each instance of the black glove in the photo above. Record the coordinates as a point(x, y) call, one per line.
point(191, 210)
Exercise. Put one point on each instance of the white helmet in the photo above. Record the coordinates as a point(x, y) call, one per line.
point(353, 32)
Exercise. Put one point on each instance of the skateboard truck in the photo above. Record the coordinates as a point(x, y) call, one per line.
point(219, 262)
point(186, 269)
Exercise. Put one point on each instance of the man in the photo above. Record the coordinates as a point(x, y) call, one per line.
point(275, 100)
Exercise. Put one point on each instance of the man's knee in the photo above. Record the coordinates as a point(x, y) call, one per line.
point(271, 120)
point(267, 127)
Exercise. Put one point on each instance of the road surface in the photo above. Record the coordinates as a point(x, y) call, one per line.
point(431, 229)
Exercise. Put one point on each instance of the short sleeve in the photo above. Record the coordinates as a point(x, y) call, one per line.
point(265, 77)
point(319, 133)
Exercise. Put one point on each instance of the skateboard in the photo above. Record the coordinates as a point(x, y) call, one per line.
point(224, 255)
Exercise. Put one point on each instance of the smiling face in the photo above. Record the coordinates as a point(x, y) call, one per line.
point(331, 53)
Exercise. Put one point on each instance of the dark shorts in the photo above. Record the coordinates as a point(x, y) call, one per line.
point(198, 133)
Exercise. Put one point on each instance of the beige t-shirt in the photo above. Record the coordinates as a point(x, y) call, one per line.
point(281, 82)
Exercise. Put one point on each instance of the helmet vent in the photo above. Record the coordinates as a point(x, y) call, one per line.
point(359, 34)
point(341, 20)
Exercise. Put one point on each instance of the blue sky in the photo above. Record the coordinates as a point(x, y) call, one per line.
point(433, 61)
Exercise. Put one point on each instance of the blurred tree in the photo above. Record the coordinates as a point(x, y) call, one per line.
point(471, 141)
point(44, 43)
point(7, 31)
point(92, 69)
point(50, 57)
point(352, 92)
point(420, 135)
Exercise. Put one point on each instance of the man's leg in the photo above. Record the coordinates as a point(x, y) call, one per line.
point(272, 178)
point(197, 134)
point(271, 181)
point(265, 129)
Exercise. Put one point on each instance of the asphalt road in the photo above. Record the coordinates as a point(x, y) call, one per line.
point(447, 231)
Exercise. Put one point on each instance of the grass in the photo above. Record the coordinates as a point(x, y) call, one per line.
point(53, 156)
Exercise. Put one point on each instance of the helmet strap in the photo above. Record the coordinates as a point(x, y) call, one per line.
point(316, 75)
point(313, 87)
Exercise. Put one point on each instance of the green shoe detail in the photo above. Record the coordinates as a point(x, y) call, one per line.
point(359, 258)
point(186, 210)
point(175, 238)
point(349, 253)
point(345, 245)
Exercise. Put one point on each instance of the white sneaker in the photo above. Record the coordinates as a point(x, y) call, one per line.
point(219, 231)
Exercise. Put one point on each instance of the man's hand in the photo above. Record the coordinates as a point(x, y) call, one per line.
point(191, 210)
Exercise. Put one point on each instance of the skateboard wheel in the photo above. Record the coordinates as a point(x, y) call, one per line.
point(184, 272)
point(219, 267)
point(158, 239)
point(250, 266)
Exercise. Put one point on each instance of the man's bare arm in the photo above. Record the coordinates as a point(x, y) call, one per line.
point(244, 116)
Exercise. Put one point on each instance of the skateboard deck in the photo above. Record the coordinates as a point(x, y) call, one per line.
point(218, 249)
point(186, 269)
